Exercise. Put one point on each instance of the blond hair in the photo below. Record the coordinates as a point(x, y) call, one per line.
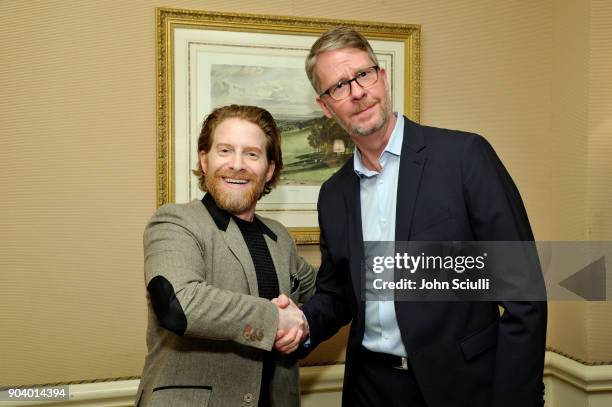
point(335, 38)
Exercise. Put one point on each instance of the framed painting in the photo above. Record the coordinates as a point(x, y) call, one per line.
point(206, 60)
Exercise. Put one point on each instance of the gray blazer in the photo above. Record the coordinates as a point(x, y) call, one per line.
point(217, 361)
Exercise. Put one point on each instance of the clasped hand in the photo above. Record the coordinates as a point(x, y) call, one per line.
point(292, 325)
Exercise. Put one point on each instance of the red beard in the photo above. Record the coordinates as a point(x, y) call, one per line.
point(234, 201)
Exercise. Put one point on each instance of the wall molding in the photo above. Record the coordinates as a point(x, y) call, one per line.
point(588, 378)
point(568, 383)
point(577, 359)
point(122, 393)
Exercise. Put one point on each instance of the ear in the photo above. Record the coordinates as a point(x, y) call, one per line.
point(383, 74)
point(270, 171)
point(324, 107)
point(203, 161)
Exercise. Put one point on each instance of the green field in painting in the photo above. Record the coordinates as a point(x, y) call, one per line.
point(303, 165)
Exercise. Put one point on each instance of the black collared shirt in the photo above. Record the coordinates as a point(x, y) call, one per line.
point(222, 218)
point(252, 232)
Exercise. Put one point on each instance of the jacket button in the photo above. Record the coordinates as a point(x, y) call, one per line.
point(258, 336)
point(248, 397)
point(248, 332)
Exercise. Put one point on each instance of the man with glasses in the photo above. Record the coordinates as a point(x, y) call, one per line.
point(409, 182)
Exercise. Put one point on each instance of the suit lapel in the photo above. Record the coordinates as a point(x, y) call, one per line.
point(235, 242)
point(352, 202)
point(412, 163)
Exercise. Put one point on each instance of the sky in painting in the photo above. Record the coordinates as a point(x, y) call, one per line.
point(285, 92)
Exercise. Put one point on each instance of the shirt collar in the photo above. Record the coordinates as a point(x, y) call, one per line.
point(394, 147)
point(222, 218)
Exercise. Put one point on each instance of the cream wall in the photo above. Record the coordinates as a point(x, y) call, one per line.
point(600, 165)
point(77, 158)
point(581, 141)
point(567, 162)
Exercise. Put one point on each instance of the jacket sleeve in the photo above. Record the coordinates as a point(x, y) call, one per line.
point(306, 274)
point(329, 309)
point(184, 302)
point(497, 213)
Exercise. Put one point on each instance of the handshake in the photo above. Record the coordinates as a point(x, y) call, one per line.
point(292, 325)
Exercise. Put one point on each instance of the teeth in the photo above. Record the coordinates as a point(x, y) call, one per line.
point(236, 181)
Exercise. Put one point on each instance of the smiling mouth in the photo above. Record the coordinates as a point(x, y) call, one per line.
point(236, 181)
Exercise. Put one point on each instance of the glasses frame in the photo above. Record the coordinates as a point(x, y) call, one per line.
point(348, 82)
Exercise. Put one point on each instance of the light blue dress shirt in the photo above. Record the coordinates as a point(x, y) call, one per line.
point(378, 194)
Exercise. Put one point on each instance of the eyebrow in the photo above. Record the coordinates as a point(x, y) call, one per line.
point(248, 148)
point(343, 78)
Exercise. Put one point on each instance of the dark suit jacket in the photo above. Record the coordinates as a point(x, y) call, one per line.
point(451, 187)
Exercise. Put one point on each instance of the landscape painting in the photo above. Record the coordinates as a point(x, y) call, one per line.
point(209, 59)
point(313, 146)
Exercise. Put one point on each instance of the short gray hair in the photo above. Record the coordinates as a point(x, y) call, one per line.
point(335, 38)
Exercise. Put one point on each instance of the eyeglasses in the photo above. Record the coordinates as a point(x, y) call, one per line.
point(342, 89)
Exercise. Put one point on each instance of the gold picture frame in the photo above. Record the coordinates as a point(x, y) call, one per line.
point(173, 147)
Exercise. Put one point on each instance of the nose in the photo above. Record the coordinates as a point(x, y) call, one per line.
point(357, 91)
point(237, 161)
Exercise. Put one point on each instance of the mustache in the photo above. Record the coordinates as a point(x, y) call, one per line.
point(364, 105)
point(242, 174)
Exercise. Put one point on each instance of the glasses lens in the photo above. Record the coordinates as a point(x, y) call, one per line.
point(340, 91)
point(367, 77)
point(364, 79)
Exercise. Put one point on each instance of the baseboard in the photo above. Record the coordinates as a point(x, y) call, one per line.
point(568, 384)
point(120, 393)
point(321, 387)
point(572, 384)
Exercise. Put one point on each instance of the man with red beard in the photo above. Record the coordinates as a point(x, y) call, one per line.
point(408, 182)
point(212, 268)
